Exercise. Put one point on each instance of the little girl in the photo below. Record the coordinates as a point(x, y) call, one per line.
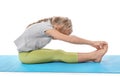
point(38, 34)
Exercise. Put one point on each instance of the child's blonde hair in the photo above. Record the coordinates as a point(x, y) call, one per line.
point(62, 21)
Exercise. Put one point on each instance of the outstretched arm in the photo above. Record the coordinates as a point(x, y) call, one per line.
point(71, 39)
point(74, 39)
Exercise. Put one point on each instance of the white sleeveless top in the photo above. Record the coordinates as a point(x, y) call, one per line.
point(34, 37)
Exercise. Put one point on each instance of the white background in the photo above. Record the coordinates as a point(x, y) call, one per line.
point(92, 19)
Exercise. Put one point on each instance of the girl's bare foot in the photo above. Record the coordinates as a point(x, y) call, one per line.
point(100, 53)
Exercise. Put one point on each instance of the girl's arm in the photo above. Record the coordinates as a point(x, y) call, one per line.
point(71, 39)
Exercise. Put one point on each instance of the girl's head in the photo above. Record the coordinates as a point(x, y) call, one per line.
point(62, 24)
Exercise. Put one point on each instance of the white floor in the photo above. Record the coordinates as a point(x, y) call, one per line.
point(29, 74)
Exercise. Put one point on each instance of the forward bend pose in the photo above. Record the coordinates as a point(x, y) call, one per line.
point(38, 34)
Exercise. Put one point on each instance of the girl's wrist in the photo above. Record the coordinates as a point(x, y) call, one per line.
point(90, 43)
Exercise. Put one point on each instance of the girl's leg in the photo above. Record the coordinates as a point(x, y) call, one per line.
point(95, 56)
point(49, 55)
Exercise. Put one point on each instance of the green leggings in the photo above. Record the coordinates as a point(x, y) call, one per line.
point(48, 55)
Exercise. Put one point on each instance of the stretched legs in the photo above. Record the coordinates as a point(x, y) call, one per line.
point(49, 55)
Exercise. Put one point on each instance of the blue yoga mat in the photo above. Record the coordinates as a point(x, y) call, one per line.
point(109, 64)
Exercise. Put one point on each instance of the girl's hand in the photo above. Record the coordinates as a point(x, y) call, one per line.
point(99, 44)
